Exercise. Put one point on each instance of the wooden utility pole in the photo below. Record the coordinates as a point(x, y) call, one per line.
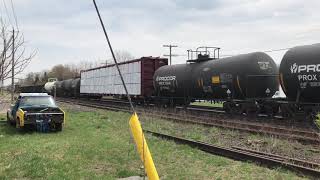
point(170, 50)
point(6, 45)
point(2, 61)
point(12, 68)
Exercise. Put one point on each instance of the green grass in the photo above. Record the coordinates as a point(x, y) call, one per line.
point(318, 120)
point(3, 117)
point(97, 145)
point(230, 138)
point(207, 103)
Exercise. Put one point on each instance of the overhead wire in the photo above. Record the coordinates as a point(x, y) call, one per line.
point(266, 51)
point(229, 55)
point(274, 50)
point(7, 12)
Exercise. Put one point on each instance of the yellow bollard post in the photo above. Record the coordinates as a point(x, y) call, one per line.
point(142, 147)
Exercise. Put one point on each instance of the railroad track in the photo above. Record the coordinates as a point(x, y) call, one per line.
point(270, 160)
point(291, 133)
point(212, 112)
point(278, 131)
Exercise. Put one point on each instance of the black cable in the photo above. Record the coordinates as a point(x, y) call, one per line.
point(114, 58)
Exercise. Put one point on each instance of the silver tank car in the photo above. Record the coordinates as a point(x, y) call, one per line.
point(253, 75)
point(50, 85)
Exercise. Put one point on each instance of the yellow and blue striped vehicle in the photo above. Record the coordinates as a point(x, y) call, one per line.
point(36, 110)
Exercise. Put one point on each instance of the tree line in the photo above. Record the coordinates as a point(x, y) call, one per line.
point(14, 58)
point(69, 71)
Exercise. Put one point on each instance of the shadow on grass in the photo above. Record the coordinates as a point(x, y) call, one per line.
point(8, 129)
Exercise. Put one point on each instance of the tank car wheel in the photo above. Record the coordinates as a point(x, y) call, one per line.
point(286, 110)
point(227, 107)
point(269, 109)
point(250, 109)
point(232, 108)
point(251, 112)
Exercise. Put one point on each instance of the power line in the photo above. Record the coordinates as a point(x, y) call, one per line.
point(170, 50)
point(274, 50)
point(7, 12)
point(266, 51)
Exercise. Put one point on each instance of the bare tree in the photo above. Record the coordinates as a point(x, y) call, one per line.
point(62, 72)
point(22, 59)
point(72, 70)
point(123, 55)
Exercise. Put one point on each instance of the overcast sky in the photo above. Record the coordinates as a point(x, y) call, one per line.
point(67, 31)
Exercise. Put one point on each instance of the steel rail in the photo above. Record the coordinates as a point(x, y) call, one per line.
point(282, 132)
point(270, 160)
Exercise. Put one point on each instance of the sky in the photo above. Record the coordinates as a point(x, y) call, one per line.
point(64, 32)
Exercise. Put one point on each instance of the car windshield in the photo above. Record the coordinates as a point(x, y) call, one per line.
point(37, 101)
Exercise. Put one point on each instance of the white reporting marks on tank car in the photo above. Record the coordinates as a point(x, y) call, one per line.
point(309, 77)
point(264, 65)
point(303, 85)
point(165, 78)
point(294, 68)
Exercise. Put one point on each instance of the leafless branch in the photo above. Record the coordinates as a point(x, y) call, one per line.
point(21, 60)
